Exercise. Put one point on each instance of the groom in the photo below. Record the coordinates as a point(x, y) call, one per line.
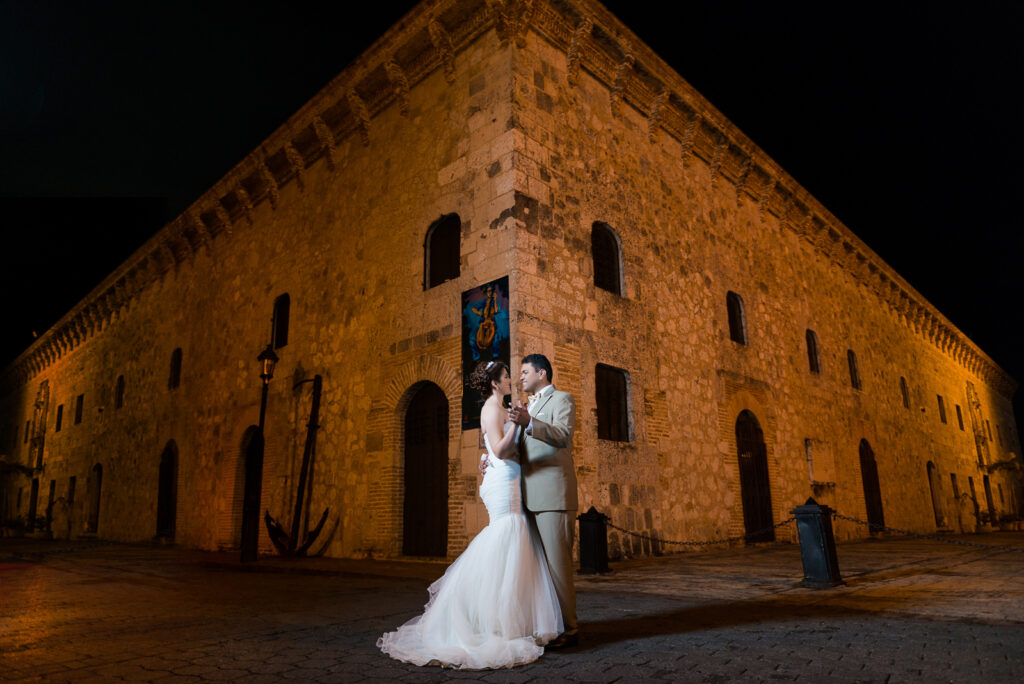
point(549, 479)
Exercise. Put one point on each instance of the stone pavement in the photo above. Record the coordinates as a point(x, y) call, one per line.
point(912, 610)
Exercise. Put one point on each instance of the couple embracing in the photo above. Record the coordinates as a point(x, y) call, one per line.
point(511, 592)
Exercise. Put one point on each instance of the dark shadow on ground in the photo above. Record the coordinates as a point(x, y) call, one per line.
point(595, 634)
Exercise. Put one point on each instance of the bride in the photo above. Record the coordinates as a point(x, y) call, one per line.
point(496, 605)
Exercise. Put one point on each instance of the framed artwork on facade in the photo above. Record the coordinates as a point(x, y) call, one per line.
point(485, 337)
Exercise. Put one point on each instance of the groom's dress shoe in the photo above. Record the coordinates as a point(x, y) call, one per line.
point(564, 641)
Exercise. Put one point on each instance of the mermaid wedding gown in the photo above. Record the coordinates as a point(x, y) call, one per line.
point(496, 605)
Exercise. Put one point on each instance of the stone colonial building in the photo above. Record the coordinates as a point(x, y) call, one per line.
point(733, 348)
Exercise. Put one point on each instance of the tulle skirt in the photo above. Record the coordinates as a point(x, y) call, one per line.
point(494, 607)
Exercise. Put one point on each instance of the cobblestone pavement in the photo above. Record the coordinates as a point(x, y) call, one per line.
point(911, 611)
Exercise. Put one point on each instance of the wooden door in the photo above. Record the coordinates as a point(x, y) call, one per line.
point(167, 493)
point(755, 489)
point(872, 490)
point(426, 474)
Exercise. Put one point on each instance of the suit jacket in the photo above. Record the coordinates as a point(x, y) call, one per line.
point(549, 475)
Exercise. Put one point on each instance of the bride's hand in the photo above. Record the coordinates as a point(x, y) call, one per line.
point(483, 463)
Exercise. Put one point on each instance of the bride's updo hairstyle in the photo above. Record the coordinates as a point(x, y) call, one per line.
point(484, 374)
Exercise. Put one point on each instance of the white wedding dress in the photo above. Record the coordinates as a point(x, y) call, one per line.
point(496, 605)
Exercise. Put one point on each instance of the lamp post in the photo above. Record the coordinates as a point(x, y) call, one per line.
point(254, 465)
point(267, 359)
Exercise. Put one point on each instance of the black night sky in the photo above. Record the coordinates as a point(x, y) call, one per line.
point(906, 120)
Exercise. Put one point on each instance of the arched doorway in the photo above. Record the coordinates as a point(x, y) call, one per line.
point(95, 487)
point(33, 503)
point(755, 491)
point(988, 499)
point(872, 490)
point(426, 473)
point(252, 449)
point(167, 493)
point(936, 489)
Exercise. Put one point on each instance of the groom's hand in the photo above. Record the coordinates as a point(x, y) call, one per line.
point(519, 415)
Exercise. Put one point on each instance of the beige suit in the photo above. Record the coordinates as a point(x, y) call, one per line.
point(549, 490)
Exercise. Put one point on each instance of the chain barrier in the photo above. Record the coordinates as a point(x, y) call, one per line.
point(698, 543)
point(874, 526)
point(958, 542)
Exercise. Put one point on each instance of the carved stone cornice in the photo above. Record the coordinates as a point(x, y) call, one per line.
point(620, 81)
point(716, 159)
point(245, 202)
point(296, 163)
point(579, 35)
point(689, 135)
point(654, 116)
point(269, 182)
point(362, 115)
point(512, 19)
point(744, 178)
point(445, 49)
point(399, 84)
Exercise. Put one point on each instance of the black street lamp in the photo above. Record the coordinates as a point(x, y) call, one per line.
point(254, 470)
point(267, 359)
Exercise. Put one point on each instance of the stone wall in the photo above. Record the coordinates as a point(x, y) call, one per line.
point(689, 237)
point(530, 136)
point(347, 245)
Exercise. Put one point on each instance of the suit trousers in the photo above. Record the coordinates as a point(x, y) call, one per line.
point(556, 534)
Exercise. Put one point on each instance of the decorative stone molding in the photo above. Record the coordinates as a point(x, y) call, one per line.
point(511, 19)
point(327, 143)
point(358, 107)
point(744, 177)
point(442, 42)
point(399, 85)
point(763, 197)
point(223, 218)
point(296, 162)
point(689, 136)
point(621, 81)
point(656, 113)
point(579, 35)
point(270, 185)
point(245, 201)
point(716, 159)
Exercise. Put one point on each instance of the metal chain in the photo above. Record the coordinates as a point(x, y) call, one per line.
point(958, 542)
point(698, 543)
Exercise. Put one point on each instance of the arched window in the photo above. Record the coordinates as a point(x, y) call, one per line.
point(279, 331)
point(441, 251)
point(851, 359)
point(737, 318)
point(813, 360)
point(905, 392)
point(606, 251)
point(612, 393)
point(175, 376)
point(119, 392)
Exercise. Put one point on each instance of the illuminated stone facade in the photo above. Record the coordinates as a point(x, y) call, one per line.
point(532, 122)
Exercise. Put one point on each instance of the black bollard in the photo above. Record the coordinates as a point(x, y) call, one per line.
point(593, 542)
point(817, 545)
